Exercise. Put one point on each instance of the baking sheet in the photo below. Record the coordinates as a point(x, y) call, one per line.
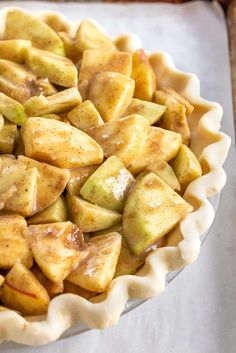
point(197, 312)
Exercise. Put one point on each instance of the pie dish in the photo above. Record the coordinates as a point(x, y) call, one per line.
point(182, 228)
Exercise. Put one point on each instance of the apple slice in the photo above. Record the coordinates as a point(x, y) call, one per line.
point(18, 191)
point(74, 289)
point(57, 248)
point(59, 144)
point(78, 177)
point(124, 138)
point(54, 213)
point(8, 134)
point(160, 145)
point(12, 110)
point(13, 231)
point(51, 182)
point(186, 167)
point(152, 209)
point(97, 270)
point(14, 49)
point(56, 103)
point(108, 185)
point(143, 75)
point(97, 61)
point(17, 26)
point(21, 291)
point(165, 172)
point(149, 110)
point(89, 217)
point(117, 91)
point(128, 263)
point(52, 289)
point(57, 69)
point(85, 116)
point(71, 50)
point(90, 36)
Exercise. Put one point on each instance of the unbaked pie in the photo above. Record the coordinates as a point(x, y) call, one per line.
point(107, 158)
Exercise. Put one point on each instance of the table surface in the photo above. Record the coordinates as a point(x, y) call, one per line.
point(196, 313)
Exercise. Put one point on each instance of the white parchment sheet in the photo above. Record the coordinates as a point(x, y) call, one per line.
point(197, 312)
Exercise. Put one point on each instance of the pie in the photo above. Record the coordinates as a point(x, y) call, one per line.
point(107, 158)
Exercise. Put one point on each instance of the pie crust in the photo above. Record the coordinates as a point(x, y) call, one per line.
point(211, 147)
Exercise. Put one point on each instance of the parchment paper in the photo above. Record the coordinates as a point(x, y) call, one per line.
point(197, 312)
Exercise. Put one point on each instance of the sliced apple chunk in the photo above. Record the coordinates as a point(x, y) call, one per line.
point(90, 36)
point(108, 185)
point(14, 49)
point(97, 270)
point(143, 75)
point(18, 191)
point(56, 103)
point(16, 82)
point(52, 289)
point(152, 209)
point(117, 91)
point(21, 291)
point(51, 182)
point(12, 110)
point(124, 138)
point(14, 246)
point(186, 166)
point(89, 217)
point(78, 177)
point(128, 263)
point(160, 145)
point(71, 50)
point(8, 134)
point(165, 172)
point(74, 289)
point(54, 213)
point(17, 26)
point(59, 144)
point(169, 96)
point(149, 110)
point(96, 61)
point(57, 69)
point(57, 248)
point(175, 116)
point(85, 116)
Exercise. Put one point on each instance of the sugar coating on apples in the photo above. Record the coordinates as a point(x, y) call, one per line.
point(94, 160)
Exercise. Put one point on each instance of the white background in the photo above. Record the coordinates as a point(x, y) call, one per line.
point(197, 312)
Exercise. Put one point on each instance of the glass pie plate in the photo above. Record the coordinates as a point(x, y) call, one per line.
point(131, 304)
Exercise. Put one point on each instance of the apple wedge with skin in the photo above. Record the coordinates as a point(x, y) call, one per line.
point(57, 248)
point(152, 210)
point(89, 36)
point(149, 110)
point(78, 177)
point(89, 217)
point(97, 270)
point(22, 292)
point(14, 246)
point(12, 110)
point(160, 144)
point(55, 213)
point(53, 104)
point(143, 75)
point(109, 185)
point(51, 182)
point(59, 70)
point(13, 49)
point(21, 25)
point(59, 144)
